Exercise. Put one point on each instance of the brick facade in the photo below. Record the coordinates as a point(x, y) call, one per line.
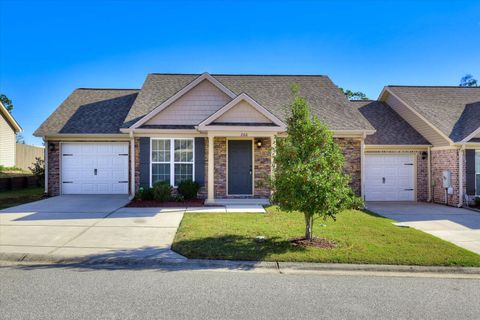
point(220, 167)
point(262, 167)
point(351, 149)
point(137, 163)
point(422, 177)
point(53, 168)
point(445, 160)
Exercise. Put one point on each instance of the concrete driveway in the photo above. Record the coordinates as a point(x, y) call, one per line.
point(90, 225)
point(458, 226)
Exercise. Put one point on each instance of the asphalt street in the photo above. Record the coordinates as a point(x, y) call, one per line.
point(53, 292)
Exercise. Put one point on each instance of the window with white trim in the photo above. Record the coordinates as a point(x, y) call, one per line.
point(172, 160)
point(477, 171)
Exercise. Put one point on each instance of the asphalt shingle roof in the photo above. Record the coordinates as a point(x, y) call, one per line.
point(455, 111)
point(271, 91)
point(391, 128)
point(90, 111)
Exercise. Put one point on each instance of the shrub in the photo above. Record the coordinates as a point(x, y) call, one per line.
point(162, 191)
point(38, 170)
point(477, 201)
point(145, 194)
point(188, 189)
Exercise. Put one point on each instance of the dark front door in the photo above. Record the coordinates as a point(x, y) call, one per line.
point(240, 167)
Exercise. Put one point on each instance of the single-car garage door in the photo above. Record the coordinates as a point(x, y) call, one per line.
point(94, 168)
point(389, 177)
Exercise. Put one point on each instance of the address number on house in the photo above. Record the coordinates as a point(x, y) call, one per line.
point(244, 134)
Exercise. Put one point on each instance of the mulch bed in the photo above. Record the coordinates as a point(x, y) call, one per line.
point(167, 204)
point(315, 242)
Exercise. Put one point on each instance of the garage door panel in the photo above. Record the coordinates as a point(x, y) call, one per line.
point(387, 177)
point(95, 168)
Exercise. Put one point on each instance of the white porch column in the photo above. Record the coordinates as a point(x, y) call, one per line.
point(210, 180)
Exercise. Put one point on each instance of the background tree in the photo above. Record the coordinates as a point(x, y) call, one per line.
point(308, 168)
point(7, 103)
point(468, 81)
point(358, 95)
point(20, 138)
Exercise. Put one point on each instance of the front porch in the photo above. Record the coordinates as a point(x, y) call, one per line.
point(240, 165)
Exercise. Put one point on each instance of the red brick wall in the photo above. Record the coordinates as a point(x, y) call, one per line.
point(422, 177)
point(445, 160)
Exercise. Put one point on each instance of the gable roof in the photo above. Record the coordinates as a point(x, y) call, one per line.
point(391, 129)
point(232, 104)
point(10, 119)
point(454, 111)
point(90, 111)
point(273, 92)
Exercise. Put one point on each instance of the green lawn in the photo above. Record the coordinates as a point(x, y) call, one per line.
point(361, 238)
point(17, 197)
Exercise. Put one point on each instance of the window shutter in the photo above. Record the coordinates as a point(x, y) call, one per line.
point(470, 171)
point(200, 160)
point(145, 162)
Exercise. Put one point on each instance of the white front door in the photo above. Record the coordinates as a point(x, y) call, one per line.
point(94, 168)
point(389, 177)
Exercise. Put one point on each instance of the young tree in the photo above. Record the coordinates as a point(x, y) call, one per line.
point(358, 95)
point(308, 168)
point(468, 81)
point(7, 103)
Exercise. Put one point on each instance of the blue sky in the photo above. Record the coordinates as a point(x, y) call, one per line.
point(49, 48)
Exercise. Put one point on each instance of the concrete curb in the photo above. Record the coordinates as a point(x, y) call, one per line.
point(198, 264)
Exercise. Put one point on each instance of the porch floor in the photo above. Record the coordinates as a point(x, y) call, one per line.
point(237, 202)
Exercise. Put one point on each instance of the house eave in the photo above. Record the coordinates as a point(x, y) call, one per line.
point(379, 147)
point(10, 119)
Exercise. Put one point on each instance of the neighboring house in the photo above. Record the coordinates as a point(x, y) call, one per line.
point(434, 128)
point(219, 130)
point(8, 131)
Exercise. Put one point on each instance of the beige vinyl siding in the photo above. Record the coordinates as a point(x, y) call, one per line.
point(193, 107)
point(243, 112)
point(7, 143)
point(417, 123)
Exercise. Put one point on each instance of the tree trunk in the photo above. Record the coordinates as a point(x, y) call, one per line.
point(308, 226)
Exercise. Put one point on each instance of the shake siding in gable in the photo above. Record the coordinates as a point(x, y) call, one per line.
point(7, 143)
point(193, 107)
point(243, 112)
point(418, 124)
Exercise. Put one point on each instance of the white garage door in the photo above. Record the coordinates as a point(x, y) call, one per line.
point(94, 168)
point(389, 178)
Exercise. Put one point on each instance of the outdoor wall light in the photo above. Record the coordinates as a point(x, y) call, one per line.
point(51, 147)
point(424, 155)
point(259, 143)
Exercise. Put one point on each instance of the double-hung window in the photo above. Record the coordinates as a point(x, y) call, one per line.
point(172, 160)
point(477, 171)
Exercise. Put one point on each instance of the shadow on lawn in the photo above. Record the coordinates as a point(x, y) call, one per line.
point(221, 249)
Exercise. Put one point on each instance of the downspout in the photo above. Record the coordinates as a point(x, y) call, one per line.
point(132, 166)
point(45, 155)
point(460, 175)
point(429, 174)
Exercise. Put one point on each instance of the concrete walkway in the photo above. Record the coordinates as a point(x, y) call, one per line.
point(458, 226)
